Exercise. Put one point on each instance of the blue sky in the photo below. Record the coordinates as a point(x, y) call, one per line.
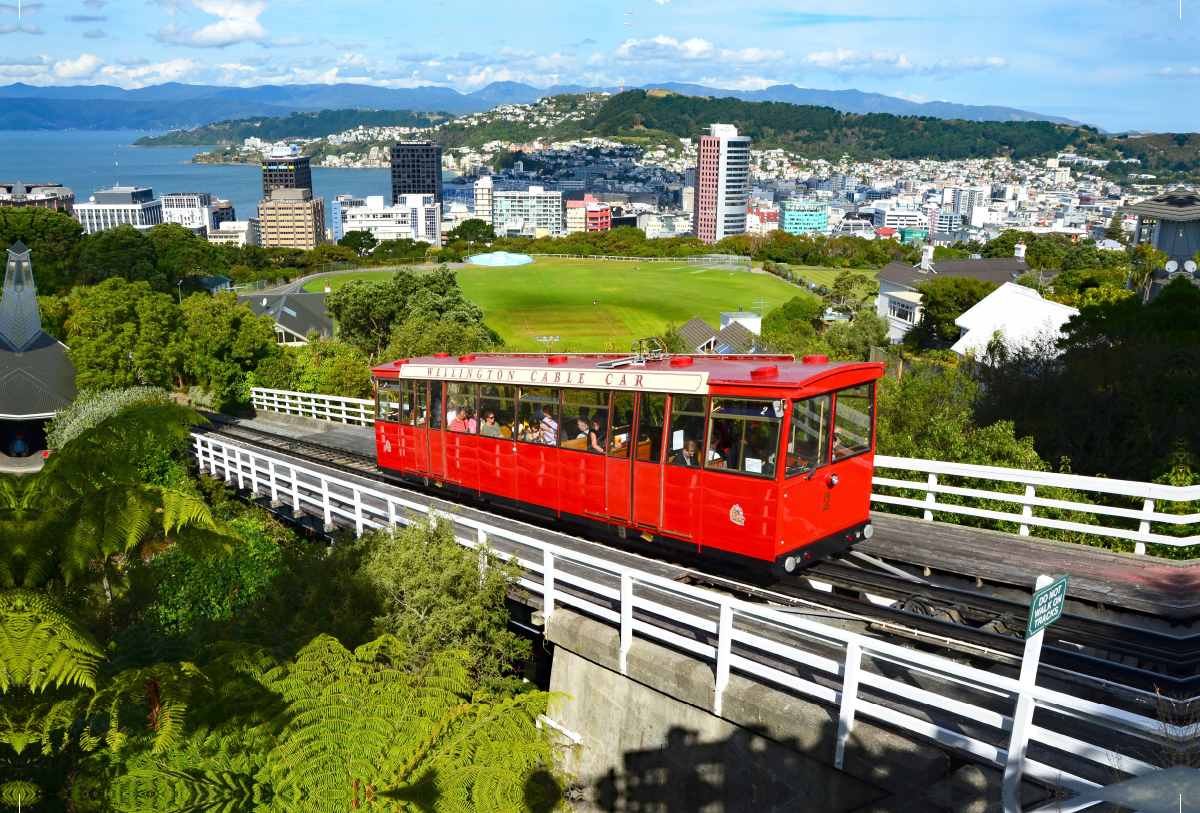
point(1121, 64)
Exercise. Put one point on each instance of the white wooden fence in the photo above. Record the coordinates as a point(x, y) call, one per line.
point(956, 705)
point(357, 411)
point(361, 412)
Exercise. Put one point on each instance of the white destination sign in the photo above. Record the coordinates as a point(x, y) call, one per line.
point(593, 378)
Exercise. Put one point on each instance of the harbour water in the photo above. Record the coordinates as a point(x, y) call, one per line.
point(88, 160)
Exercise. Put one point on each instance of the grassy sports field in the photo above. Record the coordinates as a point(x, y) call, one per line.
point(632, 300)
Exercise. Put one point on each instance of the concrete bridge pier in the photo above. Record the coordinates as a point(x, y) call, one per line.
point(648, 741)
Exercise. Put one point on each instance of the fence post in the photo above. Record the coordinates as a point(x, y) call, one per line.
point(547, 587)
point(253, 474)
point(481, 547)
point(1022, 721)
point(295, 491)
point(237, 462)
point(391, 512)
point(626, 620)
point(724, 640)
point(1027, 511)
point(358, 517)
point(274, 484)
point(1147, 508)
point(225, 462)
point(849, 701)
point(325, 503)
point(930, 497)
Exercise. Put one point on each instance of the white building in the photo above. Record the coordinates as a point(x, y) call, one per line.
point(415, 217)
point(192, 210)
point(722, 191)
point(1013, 313)
point(110, 208)
point(747, 319)
point(900, 219)
point(237, 233)
point(537, 212)
point(483, 199)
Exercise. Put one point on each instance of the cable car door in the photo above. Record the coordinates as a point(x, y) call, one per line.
point(420, 424)
point(387, 424)
point(618, 472)
point(647, 460)
point(681, 474)
point(437, 442)
point(805, 497)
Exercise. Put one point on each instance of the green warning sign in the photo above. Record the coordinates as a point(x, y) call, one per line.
point(1046, 607)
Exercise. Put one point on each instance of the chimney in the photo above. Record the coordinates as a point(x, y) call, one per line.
point(1019, 250)
point(927, 258)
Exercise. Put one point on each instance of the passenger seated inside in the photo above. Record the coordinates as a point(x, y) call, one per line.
point(549, 429)
point(489, 429)
point(459, 424)
point(687, 455)
point(472, 424)
point(530, 433)
point(715, 459)
point(596, 436)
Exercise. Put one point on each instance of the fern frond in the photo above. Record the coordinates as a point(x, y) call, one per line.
point(41, 645)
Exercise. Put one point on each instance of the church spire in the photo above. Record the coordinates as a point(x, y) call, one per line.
point(20, 322)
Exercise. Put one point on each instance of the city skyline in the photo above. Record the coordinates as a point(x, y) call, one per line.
point(1120, 65)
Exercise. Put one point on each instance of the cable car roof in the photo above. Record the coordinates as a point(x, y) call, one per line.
point(678, 373)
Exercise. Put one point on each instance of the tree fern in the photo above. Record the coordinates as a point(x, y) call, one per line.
point(334, 730)
point(40, 645)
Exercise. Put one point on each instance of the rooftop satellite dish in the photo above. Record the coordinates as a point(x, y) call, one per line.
point(1172, 267)
point(1190, 267)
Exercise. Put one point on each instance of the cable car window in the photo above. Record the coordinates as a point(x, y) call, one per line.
point(743, 436)
point(435, 397)
point(853, 421)
point(622, 424)
point(421, 412)
point(685, 436)
point(497, 408)
point(537, 416)
point(651, 417)
point(585, 420)
point(808, 438)
point(387, 400)
point(407, 409)
point(460, 408)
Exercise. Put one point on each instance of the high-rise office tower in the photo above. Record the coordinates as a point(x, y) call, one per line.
point(722, 183)
point(285, 168)
point(416, 169)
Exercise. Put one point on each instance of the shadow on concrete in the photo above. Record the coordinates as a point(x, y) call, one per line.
point(744, 772)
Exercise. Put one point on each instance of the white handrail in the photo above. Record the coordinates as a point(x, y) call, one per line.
point(570, 578)
point(361, 411)
point(357, 411)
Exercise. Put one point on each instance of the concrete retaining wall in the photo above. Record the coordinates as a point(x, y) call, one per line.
point(650, 743)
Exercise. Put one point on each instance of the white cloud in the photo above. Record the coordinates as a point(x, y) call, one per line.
point(287, 42)
point(239, 23)
point(946, 66)
point(133, 60)
point(745, 83)
point(31, 8)
point(1178, 73)
point(94, 34)
point(83, 68)
point(911, 97)
point(667, 49)
point(872, 63)
point(24, 28)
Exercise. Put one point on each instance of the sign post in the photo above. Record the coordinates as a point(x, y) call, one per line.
point(1045, 608)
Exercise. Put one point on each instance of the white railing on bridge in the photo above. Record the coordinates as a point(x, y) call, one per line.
point(361, 411)
point(1076, 486)
point(769, 644)
point(358, 411)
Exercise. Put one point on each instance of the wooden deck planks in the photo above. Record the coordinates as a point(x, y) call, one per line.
point(1143, 583)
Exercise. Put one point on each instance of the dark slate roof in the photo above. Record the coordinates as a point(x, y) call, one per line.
point(697, 333)
point(297, 313)
point(39, 381)
point(735, 338)
point(998, 270)
point(1177, 204)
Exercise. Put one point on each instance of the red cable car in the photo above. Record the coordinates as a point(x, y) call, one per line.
point(760, 459)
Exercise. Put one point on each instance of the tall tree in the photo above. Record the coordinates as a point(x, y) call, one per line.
point(180, 253)
point(362, 242)
point(120, 252)
point(125, 334)
point(53, 239)
point(223, 342)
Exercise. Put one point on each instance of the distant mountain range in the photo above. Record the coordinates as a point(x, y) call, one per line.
point(173, 106)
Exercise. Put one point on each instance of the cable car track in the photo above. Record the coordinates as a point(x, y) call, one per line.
point(984, 627)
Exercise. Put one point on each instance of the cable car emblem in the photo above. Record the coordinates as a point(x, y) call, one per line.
point(387, 446)
point(736, 515)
